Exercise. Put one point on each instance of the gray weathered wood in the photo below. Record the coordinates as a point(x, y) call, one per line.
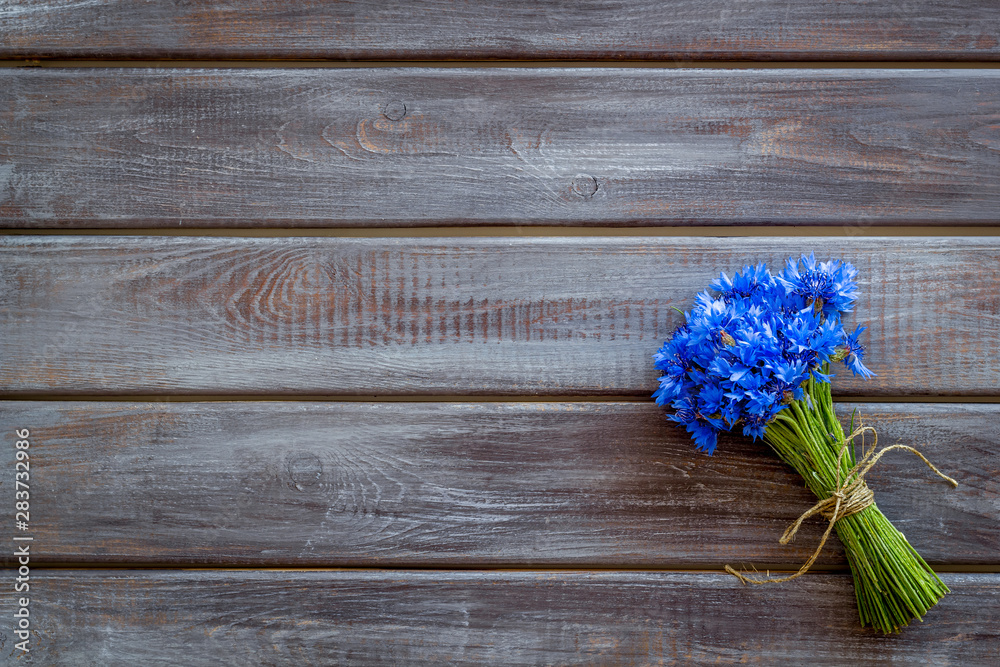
point(368, 29)
point(466, 485)
point(245, 148)
point(547, 316)
point(100, 618)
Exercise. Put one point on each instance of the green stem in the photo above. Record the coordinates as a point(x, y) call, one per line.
point(893, 584)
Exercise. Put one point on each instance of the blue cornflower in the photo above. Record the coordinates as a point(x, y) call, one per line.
point(685, 410)
point(705, 436)
point(741, 356)
point(714, 321)
point(703, 433)
point(828, 287)
point(798, 331)
point(787, 378)
point(855, 352)
point(711, 399)
point(761, 407)
point(829, 334)
point(743, 285)
point(729, 369)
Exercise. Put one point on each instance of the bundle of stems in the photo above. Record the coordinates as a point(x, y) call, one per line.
point(892, 583)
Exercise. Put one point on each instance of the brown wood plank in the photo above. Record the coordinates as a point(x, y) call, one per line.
point(376, 147)
point(544, 316)
point(501, 618)
point(444, 29)
point(465, 485)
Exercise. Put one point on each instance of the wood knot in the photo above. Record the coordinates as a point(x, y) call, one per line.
point(305, 470)
point(394, 110)
point(585, 186)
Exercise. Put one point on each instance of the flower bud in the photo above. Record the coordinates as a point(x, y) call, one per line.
point(726, 338)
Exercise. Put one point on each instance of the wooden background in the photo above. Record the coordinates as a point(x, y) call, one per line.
point(332, 323)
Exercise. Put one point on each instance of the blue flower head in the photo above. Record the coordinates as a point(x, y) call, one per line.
point(828, 287)
point(752, 281)
point(854, 353)
point(741, 355)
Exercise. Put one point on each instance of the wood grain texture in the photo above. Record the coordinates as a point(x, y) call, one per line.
point(445, 29)
point(101, 618)
point(376, 147)
point(466, 485)
point(546, 316)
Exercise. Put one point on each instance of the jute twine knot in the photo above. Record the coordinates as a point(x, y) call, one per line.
point(849, 497)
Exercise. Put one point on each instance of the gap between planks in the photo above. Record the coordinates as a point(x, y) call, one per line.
point(278, 63)
point(431, 398)
point(517, 231)
point(688, 568)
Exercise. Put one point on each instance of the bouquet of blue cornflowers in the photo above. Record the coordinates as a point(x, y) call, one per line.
point(755, 357)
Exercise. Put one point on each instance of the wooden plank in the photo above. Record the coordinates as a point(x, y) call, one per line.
point(443, 29)
point(462, 485)
point(473, 618)
point(398, 147)
point(383, 316)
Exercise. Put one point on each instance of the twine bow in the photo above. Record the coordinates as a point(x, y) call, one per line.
point(849, 497)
